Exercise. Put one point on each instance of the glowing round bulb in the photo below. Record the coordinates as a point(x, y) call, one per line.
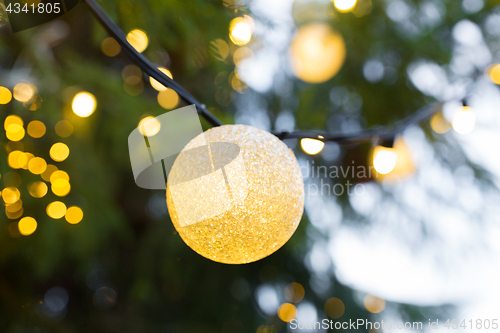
point(439, 123)
point(110, 47)
point(384, 160)
point(464, 120)
point(312, 146)
point(56, 210)
point(74, 215)
point(38, 189)
point(84, 104)
point(5, 95)
point(240, 31)
point(15, 132)
point(10, 195)
point(235, 194)
point(59, 152)
point(344, 5)
point(374, 304)
point(27, 226)
point(138, 39)
point(23, 92)
point(36, 129)
point(168, 99)
point(157, 85)
point(149, 126)
point(287, 312)
point(318, 53)
point(37, 165)
point(494, 73)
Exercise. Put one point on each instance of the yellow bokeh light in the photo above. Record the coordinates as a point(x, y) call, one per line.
point(344, 5)
point(287, 312)
point(384, 159)
point(12, 119)
point(59, 152)
point(74, 215)
point(240, 31)
point(294, 292)
point(241, 54)
point(318, 53)
point(334, 308)
point(15, 132)
point(464, 120)
point(157, 85)
point(493, 72)
point(36, 129)
point(49, 171)
point(374, 304)
point(5, 95)
point(168, 99)
point(60, 187)
point(132, 75)
point(15, 215)
point(38, 189)
point(312, 146)
point(84, 104)
point(34, 103)
point(24, 159)
point(16, 206)
point(110, 47)
point(236, 82)
point(439, 124)
point(219, 49)
point(37, 165)
point(27, 226)
point(58, 174)
point(149, 126)
point(56, 210)
point(138, 39)
point(64, 128)
point(13, 159)
point(23, 92)
point(10, 195)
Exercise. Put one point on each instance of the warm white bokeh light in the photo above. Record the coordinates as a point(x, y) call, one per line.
point(149, 126)
point(157, 85)
point(318, 53)
point(384, 159)
point(138, 39)
point(464, 120)
point(240, 31)
point(344, 5)
point(312, 146)
point(84, 104)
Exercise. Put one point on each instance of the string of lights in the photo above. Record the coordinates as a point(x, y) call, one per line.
point(382, 136)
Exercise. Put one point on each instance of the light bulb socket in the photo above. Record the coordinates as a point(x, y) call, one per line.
point(464, 102)
point(385, 141)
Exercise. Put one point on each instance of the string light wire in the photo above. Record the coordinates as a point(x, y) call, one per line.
point(383, 136)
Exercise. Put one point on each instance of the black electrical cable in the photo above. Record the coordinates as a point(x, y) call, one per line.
point(381, 135)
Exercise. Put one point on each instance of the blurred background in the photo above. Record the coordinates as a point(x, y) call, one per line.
point(82, 248)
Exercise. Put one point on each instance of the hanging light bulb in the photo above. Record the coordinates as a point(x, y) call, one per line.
point(235, 194)
point(384, 159)
point(312, 146)
point(464, 120)
point(392, 162)
point(318, 53)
